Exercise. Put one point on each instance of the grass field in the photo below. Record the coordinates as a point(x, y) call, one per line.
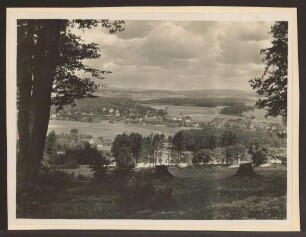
point(109, 130)
point(206, 193)
point(206, 114)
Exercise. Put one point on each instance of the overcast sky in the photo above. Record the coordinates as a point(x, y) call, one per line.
point(181, 55)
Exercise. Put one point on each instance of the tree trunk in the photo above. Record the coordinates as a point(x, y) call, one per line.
point(24, 84)
point(246, 170)
point(162, 171)
point(33, 123)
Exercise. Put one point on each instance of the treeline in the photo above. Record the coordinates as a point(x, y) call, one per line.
point(128, 150)
point(225, 146)
point(228, 146)
point(236, 109)
point(200, 102)
point(211, 138)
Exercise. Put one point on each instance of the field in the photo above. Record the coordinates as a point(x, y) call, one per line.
point(109, 130)
point(198, 114)
point(206, 193)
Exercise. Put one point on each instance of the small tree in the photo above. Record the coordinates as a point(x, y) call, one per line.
point(212, 142)
point(204, 155)
point(99, 166)
point(135, 142)
point(234, 153)
point(228, 138)
point(178, 145)
point(259, 158)
point(124, 160)
point(146, 150)
point(51, 145)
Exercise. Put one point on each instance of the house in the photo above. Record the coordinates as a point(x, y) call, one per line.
point(275, 161)
point(252, 126)
point(111, 110)
point(53, 116)
point(100, 146)
point(92, 142)
point(196, 125)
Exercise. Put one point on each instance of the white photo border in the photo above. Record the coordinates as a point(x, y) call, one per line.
point(172, 14)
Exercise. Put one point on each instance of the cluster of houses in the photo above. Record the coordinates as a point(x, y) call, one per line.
point(243, 123)
point(132, 114)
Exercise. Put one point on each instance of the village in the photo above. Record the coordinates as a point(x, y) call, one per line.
point(160, 117)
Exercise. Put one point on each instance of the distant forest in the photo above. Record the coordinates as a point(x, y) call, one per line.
point(200, 102)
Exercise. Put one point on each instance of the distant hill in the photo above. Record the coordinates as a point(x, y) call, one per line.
point(158, 94)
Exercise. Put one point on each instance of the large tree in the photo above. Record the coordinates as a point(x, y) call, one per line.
point(49, 59)
point(272, 86)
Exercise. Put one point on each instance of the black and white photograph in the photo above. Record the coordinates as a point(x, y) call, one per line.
point(153, 119)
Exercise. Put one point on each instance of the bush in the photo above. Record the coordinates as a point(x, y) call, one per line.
point(124, 161)
point(236, 109)
point(99, 166)
point(84, 154)
point(259, 157)
point(202, 156)
point(71, 164)
point(53, 177)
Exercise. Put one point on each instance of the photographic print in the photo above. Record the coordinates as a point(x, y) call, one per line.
point(139, 120)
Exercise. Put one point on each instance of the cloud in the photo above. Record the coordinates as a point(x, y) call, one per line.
point(136, 29)
point(242, 42)
point(182, 55)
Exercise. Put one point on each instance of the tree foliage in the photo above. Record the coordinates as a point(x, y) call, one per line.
point(123, 154)
point(236, 109)
point(272, 86)
point(234, 153)
point(202, 156)
point(51, 145)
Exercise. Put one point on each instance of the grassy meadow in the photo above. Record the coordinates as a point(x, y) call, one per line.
point(109, 130)
point(203, 192)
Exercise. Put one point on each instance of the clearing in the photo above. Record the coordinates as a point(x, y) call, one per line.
point(203, 193)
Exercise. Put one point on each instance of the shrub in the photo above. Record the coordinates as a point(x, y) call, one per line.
point(124, 160)
point(234, 153)
point(204, 155)
point(84, 154)
point(259, 157)
point(99, 166)
point(53, 177)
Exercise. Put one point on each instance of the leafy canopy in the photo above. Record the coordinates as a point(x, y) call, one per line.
point(68, 83)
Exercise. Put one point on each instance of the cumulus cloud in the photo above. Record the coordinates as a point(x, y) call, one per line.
point(181, 55)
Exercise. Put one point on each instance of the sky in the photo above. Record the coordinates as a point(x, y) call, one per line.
point(178, 55)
